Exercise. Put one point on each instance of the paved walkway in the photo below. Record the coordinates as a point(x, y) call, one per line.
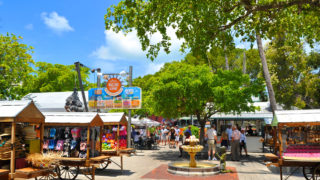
point(139, 165)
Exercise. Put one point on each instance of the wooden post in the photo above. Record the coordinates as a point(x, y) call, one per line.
point(280, 143)
point(93, 172)
point(101, 129)
point(118, 133)
point(121, 159)
point(13, 150)
point(41, 136)
point(88, 143)
point(280, 167)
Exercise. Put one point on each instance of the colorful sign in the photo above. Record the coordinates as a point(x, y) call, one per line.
point(114, 87)
point(129, 98)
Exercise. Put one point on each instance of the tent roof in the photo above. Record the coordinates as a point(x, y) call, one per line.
point(52, 101)
point(72, 119)
point(297, 116)
point(113, 118)
point(20, 111)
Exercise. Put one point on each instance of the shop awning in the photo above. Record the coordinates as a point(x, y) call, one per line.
point(113, 118)
point(297, 116)
point(72, 119)
point(20, 111)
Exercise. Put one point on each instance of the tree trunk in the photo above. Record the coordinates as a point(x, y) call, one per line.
point(266, 75)
point(244, 65)
point(202, 123)
point(226, 57)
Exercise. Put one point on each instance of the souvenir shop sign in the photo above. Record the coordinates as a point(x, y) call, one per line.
point(129, 98)
point(114, 87)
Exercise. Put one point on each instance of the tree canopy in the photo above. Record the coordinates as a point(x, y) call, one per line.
point(293, 73)
point(182, 89)
point(15, 66)
point(206, 24)
point(57, 77)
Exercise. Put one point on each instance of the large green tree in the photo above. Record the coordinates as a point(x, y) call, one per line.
point(293, 73)
point(206, 24)
point(181, 89)
point(57, 77)
point(15, 67)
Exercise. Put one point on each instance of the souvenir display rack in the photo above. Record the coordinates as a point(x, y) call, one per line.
point(69, 167)
point(115, 125)
point(301, 147)
point(14, 114)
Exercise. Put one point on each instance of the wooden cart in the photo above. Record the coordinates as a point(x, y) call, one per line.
point(300, 118)
point(115, 119)
point(69, 167)
point(18, 112)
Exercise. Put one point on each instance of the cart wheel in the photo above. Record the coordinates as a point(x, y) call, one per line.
point(307, 172)
point(68, 172)
point(316, 173)
point(49, 177)
point(104, 165)
point(88, 172)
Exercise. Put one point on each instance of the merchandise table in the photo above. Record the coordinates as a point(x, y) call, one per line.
point(14, 114)
point(115, 125)
point(69, 167)
point(301, 147)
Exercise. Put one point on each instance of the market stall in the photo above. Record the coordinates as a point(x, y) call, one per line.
point(114, 138)
point(77, 137)
point(21, 133)
point(299, 141)
point(269, 139)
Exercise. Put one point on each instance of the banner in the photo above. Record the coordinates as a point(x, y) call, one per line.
point(101, 98)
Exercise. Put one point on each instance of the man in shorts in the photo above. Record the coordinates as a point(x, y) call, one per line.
point(212, 138)
point(177, 135)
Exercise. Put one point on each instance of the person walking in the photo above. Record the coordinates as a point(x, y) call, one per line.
point(224, 139)
point(172, 136)
point(229, 132)
point(235, 144)
point(243, 142)
point(177, 135)
point(212, 139)
point(164, 132)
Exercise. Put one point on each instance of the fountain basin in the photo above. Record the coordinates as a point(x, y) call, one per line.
point(202, 169)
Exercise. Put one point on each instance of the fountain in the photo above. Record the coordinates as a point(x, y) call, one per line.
point(192, 168)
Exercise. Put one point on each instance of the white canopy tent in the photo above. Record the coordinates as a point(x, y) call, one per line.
point(296, 116)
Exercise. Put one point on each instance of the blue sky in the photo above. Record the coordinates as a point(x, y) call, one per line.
point(65, 31)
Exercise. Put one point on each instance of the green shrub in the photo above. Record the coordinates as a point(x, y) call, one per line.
point(194, 130)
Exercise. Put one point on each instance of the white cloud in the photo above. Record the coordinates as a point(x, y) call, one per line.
point(55, 22)
point(29, 27)
point(154, 67)
point(122, 50)
point(127, 46)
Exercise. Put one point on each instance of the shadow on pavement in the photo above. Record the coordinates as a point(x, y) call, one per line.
point(114, 172)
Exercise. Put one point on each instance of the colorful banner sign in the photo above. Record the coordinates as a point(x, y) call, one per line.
point(129, 98)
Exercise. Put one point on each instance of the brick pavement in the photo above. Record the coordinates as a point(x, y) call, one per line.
point(137, 166)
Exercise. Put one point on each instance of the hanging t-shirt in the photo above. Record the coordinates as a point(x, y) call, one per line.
point(52, 132)
point(75, 132)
